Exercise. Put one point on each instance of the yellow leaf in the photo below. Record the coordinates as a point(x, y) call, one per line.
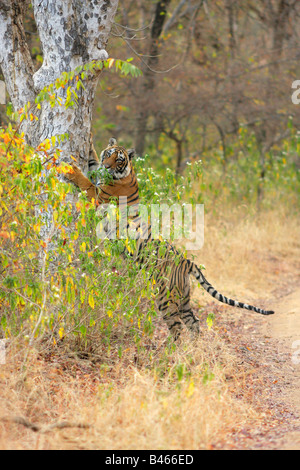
point(47, 144)
point(110, 62)
point(191, 389)
point(91, 301)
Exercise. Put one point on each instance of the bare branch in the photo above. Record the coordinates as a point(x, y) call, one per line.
point(174, 17)
point(43, 429)
point(127, 28)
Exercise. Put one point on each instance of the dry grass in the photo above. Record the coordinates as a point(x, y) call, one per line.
point(191, 397)
point(250, 257)
point(130, 407)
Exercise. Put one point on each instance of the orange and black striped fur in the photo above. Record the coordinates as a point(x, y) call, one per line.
point(172, 277)
point(118, 163)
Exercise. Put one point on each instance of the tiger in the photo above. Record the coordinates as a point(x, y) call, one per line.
point(172, 276)
point(119, 166)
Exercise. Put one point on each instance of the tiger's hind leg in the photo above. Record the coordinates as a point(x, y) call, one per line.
point(170, 313)
point(172, 319)
point(185, 312)
point(174, 324)
point(189, 319)
point(176, 308)
point(175, 315)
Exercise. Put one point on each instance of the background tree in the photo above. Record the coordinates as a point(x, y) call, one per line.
point(219, 67)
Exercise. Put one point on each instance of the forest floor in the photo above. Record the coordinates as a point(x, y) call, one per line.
point(284, 333)
point(237, 387)
point(272, 351)
point(268, 252)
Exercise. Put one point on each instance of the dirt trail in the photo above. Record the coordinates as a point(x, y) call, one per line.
point(283, 329)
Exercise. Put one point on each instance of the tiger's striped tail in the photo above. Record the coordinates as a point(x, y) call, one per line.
point(197, 273)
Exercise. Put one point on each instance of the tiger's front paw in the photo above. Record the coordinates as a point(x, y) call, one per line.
point(74, 172)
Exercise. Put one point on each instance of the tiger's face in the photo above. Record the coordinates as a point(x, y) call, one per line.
point(117, 160)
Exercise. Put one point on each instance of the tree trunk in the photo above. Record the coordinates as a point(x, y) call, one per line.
point(280, 21)
point(148, 80)
point(72, 33)
point(231, 13)
point(15, 59)
point(179, 156)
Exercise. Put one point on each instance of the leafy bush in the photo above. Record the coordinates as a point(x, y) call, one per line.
point(68, 285)
point(252, 175)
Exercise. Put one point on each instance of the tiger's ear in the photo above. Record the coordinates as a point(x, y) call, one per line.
point(131, 153)
point(112, 142)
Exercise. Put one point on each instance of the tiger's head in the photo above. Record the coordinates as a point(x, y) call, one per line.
point(117, 160)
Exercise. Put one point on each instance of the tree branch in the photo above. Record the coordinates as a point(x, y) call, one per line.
point(44, 429)
point(174, 17)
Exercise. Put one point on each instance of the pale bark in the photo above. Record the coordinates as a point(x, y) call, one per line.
point(15, 59)
point(72, 33)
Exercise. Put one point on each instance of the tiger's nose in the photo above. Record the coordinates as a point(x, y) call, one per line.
point(106, 165)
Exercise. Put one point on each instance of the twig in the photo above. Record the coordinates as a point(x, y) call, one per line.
point(42, 308)
point(44, 429)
